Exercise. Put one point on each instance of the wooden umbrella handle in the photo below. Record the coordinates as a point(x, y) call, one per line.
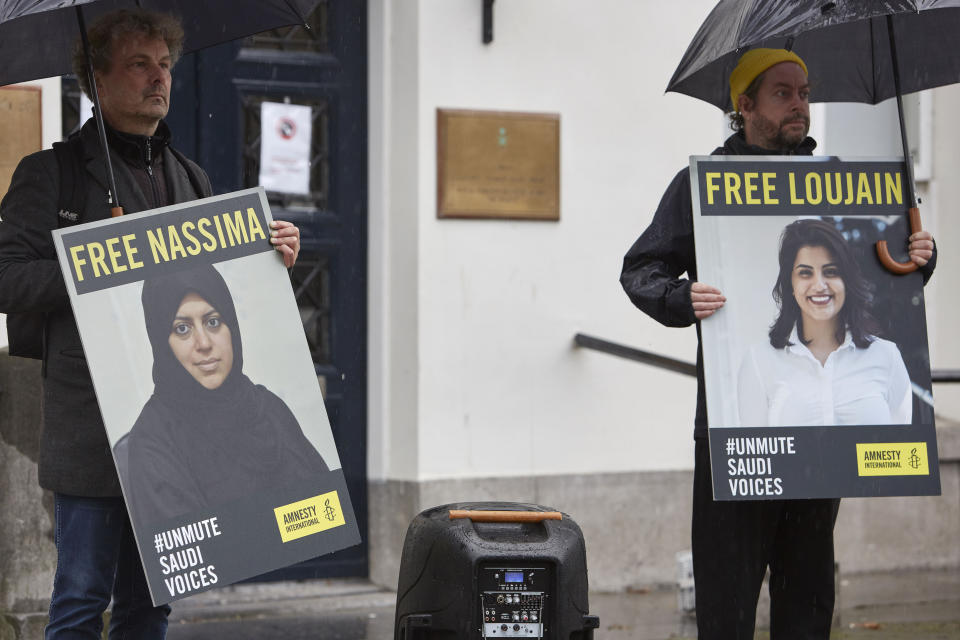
point(900, 268)
point(116, 212)
point(506, 516)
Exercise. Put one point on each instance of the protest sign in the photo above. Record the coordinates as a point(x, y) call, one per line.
point(208, 392)
point(817, 370)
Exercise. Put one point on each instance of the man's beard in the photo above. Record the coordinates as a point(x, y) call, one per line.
point(775, 138)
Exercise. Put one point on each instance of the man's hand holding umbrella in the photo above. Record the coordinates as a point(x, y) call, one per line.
point(921, 248)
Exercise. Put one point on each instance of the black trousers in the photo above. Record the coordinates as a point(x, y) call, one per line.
point(735, 542)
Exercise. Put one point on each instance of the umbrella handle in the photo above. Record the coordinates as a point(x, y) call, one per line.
point(116, 212)
point(900, 268)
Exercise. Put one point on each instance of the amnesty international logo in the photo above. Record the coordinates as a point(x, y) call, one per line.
point(330, 513)
point(892, 459)
point(914, 459)
point(309, 516)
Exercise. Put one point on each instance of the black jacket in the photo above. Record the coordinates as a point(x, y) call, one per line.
point(653, 266)
point(74, 453)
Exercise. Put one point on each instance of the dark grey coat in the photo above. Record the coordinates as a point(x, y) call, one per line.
point(75, 456)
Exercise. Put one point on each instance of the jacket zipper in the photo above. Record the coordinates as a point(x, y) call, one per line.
point(153, 179)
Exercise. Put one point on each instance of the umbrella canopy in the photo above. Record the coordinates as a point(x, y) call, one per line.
point(845, 45)
point(855, 51)
point(37, 36)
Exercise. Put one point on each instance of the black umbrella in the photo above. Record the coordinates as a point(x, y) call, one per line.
point(37, 36)
point(855, 50)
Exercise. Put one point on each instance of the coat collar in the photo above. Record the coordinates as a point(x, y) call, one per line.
point(737, 145)
point(126, 148)
point(129, 146)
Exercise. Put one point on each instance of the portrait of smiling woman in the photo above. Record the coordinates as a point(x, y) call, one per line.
point(824, 363)
point(208, 434)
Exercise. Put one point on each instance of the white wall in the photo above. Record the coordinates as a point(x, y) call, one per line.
point(473, 372)
point(51, 132)
point(939, 212)
point(393, 362)
point(486, 327)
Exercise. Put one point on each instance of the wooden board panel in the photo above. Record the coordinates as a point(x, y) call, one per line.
point(20, 129)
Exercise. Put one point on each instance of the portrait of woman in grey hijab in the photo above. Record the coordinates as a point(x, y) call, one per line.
point(208, 435)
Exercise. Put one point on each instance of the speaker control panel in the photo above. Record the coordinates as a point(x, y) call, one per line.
point(514, 600)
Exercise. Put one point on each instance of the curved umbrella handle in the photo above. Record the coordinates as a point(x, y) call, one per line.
point(900, 268)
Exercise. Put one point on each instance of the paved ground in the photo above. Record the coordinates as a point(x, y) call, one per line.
point(914, 605)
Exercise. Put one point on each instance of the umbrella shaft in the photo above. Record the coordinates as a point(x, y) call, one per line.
point(95, 96)
point(907, 160)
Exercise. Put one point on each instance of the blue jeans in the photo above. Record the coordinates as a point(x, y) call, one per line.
point(96, 557)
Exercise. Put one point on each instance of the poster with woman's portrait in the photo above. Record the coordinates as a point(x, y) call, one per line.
point(817, 370)
point(208, 392)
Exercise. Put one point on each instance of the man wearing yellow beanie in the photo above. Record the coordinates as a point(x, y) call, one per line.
point(735, 542)
point(777, 118)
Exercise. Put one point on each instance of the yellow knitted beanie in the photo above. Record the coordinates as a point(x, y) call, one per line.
point(752, 64)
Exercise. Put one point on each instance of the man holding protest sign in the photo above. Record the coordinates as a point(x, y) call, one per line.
point(734, 542)
point(133, 53)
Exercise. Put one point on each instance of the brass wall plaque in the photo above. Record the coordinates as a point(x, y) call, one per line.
point(495, 164)
point(20, 129)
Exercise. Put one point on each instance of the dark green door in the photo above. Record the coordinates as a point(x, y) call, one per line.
point(325, 69)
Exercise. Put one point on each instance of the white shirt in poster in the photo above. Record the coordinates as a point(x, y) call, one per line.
point(789, 386)
point(286, 132)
